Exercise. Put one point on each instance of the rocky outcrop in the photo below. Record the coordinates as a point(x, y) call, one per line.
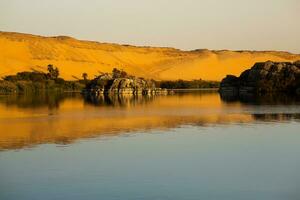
point(265, 77)
point(131, 86)
point(106, 84)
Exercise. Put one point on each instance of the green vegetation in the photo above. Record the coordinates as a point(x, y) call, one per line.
point(32, 82)
point(53, 72)
point(116, 73)
point(183, 84)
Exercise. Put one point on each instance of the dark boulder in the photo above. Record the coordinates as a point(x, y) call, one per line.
point(229, 85)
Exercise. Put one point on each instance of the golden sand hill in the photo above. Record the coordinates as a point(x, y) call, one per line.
point(23, 52)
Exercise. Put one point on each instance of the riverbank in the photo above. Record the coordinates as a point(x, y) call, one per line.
point(117, 82)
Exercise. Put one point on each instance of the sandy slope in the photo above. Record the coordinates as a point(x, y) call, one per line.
point(20, 52)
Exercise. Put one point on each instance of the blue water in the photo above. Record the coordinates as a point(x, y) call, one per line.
point(236, 161)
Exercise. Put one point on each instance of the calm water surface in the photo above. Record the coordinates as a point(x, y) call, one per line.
point(183, 146)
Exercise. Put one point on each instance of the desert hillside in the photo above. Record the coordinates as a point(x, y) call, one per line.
point(23, 52)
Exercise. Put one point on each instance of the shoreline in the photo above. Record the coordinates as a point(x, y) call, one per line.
point(77, 91)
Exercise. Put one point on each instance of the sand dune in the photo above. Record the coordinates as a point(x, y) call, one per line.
point(22, 52)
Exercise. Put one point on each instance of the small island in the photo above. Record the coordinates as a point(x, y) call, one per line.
point(119, 82)
point(264, 78)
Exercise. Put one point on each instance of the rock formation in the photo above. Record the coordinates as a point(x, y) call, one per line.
point(106, 84)
point(264, 77)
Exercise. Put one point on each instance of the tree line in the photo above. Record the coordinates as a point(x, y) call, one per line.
point(27, 82)
point(184, 84)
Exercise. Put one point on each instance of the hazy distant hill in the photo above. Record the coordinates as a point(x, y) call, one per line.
point(20, 52)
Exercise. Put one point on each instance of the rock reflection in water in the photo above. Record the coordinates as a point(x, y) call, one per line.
point(261, 99)
point(266, 100)
point(118, 100)
point(276, 117)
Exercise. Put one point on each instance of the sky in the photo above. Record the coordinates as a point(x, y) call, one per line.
point(183, 24)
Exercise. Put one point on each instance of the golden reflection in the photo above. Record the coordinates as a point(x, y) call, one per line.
point(64, 119)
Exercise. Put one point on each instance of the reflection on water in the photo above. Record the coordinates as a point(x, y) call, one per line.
point(266, 99)
point(201, 146)
point(36, 100)
point(117, 100)
point(26, 121)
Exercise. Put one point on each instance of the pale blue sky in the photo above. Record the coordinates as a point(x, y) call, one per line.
point(184, 24)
